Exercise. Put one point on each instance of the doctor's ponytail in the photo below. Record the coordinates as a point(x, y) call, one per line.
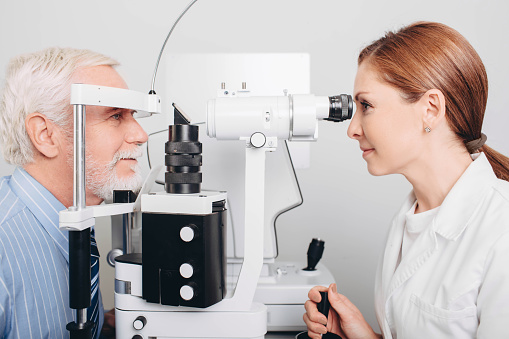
point(428, 55)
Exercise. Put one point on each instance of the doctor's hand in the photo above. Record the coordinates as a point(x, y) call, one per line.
point(344, 318)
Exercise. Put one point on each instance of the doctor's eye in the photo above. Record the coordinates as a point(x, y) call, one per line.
point(365, 105)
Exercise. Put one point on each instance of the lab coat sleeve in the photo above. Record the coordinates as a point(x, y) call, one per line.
point(493, 298)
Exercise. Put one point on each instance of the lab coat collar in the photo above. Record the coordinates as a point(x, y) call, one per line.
point(451, 220)
point(464, 198)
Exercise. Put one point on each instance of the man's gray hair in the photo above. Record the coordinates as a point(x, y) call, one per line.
point(39, 82)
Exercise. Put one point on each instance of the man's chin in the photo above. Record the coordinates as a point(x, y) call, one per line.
point(104, 190)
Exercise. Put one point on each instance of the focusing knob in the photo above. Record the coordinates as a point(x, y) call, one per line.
point(258, 139)
point(139, 322)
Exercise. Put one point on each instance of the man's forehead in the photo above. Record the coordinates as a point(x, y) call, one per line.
point(99, 75)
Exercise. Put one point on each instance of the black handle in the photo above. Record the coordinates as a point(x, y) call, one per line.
point(324, 306)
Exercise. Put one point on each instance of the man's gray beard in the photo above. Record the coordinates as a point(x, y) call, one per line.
point(101, 178)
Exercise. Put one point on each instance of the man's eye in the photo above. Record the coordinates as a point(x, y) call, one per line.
point(116, 116)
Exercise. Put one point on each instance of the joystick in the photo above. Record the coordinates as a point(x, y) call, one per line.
point(323, 307)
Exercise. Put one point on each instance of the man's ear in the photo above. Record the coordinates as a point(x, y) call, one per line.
point(433, 102)
point(41, 132)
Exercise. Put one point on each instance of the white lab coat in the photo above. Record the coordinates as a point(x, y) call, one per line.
point(454, 280)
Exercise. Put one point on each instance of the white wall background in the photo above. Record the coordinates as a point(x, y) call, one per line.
point(343, 204)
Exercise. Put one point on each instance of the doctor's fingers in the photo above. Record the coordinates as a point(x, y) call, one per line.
point(343, 306)
point(334, 324)
point(315, 330)
point(313, 314)
point(352, 321)
point(314, 293)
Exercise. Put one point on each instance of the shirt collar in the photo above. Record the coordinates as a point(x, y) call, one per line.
point(464, 198)
point(43, 205)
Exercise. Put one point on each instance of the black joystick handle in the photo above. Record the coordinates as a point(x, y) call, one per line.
point(315, 251)
point(323, 307)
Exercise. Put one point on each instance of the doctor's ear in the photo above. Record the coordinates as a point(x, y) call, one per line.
point(433, 104)
point(43, 134)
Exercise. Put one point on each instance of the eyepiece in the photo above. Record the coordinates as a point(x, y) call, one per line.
point(340, 108)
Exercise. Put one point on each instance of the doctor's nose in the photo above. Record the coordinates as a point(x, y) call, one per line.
point(355, 129)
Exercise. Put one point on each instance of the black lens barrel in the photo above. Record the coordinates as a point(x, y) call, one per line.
point(183, 160)
point(340, 108)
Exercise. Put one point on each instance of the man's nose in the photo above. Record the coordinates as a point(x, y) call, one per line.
point(135, 133)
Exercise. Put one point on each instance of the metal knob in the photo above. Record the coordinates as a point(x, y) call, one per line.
point(139, 323)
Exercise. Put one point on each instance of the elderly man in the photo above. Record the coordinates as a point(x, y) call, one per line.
point(36, 135)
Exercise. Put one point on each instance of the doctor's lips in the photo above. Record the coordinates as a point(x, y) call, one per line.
point(366, 151)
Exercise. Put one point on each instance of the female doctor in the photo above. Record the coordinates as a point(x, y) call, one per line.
point(421, 94)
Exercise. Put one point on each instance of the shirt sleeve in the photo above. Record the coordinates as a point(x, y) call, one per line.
point(4, 304)
point(493, 299)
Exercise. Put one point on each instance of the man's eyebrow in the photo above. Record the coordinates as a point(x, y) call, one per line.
point(112, 109)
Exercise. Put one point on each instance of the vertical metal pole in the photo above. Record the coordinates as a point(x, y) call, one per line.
point(79, 241)
point(79, 157)
point(125, 196)
point(127, 221)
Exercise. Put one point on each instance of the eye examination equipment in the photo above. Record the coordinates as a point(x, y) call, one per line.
point(178, 281)
point(180, 275)
point(79, 218)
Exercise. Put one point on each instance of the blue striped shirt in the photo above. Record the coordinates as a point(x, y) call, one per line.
point(34, 262)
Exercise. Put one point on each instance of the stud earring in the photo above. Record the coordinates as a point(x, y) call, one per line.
point(427, 129)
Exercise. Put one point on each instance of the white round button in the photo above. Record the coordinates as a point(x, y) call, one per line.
point(186, 270)
point(139, 323)
point(187, 292)
point(258, 139)
point(187, 234)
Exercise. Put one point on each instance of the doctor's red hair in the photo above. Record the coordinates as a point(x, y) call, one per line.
point(429, 55)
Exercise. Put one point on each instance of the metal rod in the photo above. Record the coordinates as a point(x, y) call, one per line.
point(128, 222)
point(79, 241)
point(165, 41)
point(81, 316)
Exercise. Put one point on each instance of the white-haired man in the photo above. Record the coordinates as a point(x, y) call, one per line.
point(36, 136)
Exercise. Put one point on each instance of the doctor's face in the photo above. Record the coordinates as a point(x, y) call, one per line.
point(113, 139)
point(386, 127)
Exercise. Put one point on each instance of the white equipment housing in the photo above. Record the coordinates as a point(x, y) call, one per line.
point(262, 294)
